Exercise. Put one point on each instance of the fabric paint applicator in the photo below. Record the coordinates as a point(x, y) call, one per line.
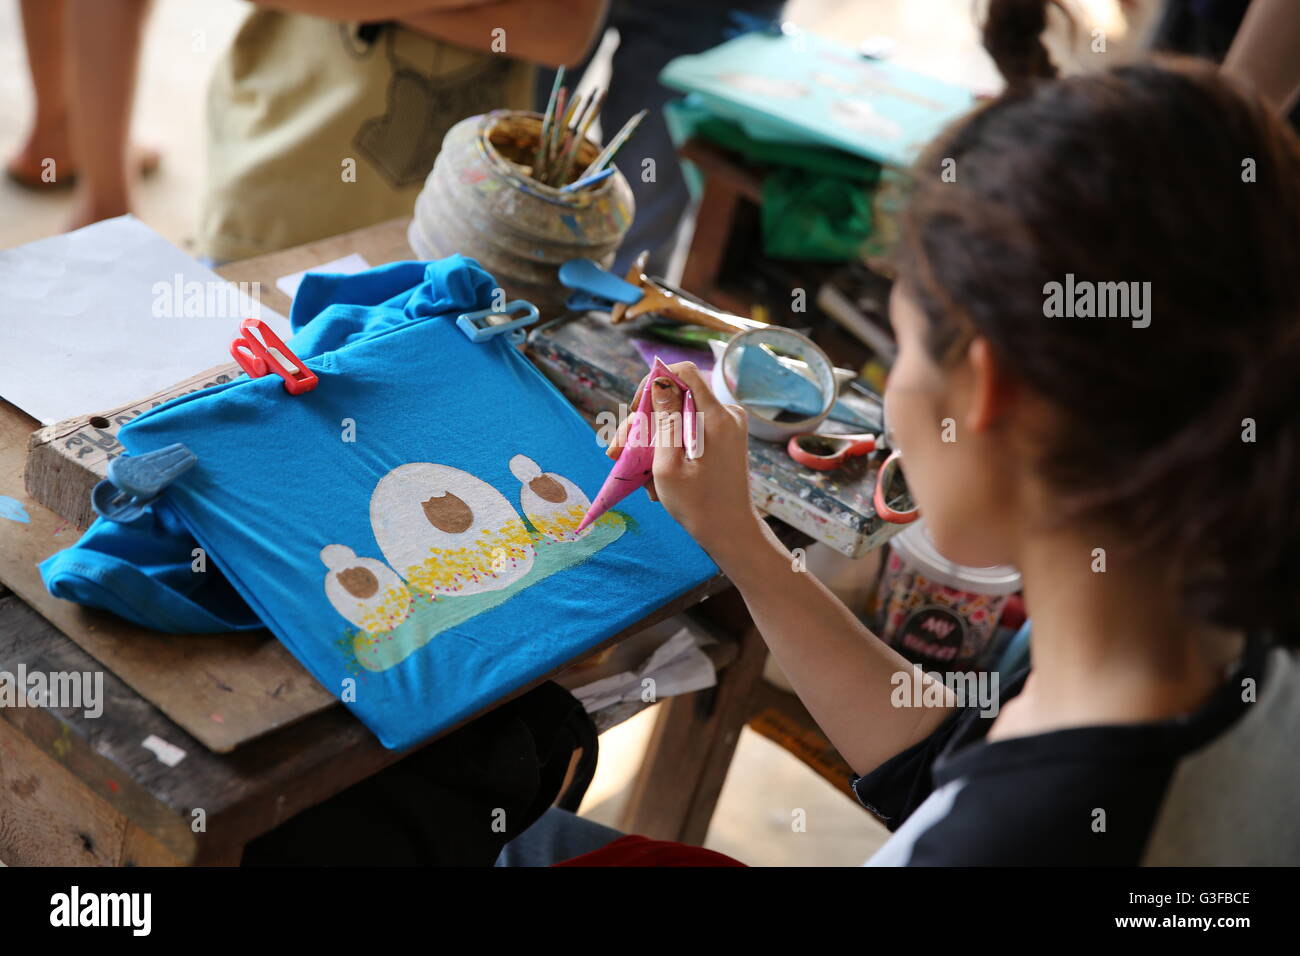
point(635, 464)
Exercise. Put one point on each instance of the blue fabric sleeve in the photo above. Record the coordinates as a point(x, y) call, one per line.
point(144, 571)
point(331, 311)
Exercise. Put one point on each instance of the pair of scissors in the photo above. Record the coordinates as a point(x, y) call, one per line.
point(880, 497)
point(828, 452)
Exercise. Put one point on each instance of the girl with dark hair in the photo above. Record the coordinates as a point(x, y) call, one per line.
point(1140, 469)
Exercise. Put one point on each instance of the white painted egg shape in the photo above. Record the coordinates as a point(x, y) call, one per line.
point(553, 503)
point(365, 591)
point(447, 532)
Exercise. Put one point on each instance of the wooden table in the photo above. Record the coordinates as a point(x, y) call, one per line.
point(261, 739)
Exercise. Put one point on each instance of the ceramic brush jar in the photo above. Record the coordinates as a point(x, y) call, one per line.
point(480, 201)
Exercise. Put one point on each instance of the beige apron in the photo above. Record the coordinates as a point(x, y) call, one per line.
point(317, 127)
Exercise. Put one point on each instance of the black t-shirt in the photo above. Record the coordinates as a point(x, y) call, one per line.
point(1079, 796)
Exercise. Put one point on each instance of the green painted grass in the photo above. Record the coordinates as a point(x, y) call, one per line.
point(432, 614)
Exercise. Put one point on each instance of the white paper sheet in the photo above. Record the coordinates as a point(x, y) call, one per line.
point(678, 666)
point(348, 266)
point(97, 318)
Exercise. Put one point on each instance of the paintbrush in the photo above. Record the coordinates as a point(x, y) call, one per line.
point(546, 121)
point(577, 103)
point(555, 131)
point(580, 136)
point(597, 104)
point(591, 180)
point(615, 144)
point(568, 136)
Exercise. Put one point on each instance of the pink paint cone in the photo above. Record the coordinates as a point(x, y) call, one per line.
point(635, 464)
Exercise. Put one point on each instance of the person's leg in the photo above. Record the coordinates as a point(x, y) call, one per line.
point(48, 137)
point(103, 51)
point(557, 835)
point(651, 35)
point(661, 200)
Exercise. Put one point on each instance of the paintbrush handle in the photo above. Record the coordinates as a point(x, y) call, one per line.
point(670, 305)
point(547, 117)
point(593, 110)
point(560, 105)
point(614, 145)
point(684, 311)
point(577, 184)
point(583, 121)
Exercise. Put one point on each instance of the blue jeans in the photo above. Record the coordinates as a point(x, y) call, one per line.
point(652, 32)
point(557, 835)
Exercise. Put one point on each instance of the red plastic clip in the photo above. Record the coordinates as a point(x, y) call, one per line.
point(268, 354)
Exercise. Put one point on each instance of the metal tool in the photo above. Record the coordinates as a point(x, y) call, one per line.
point(587, 277)
point(662, 299)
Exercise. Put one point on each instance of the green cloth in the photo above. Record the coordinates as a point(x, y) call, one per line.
point(811, 216)
point(816, 201)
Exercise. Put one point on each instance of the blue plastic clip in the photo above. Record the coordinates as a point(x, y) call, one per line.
point(584, 275)
point(479, 326)
point(586, 302)
point(133, 482)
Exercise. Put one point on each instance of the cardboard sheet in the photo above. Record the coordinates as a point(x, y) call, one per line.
point(96, 318)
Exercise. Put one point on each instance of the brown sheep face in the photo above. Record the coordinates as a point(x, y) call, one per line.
point(448, 513)
point(548, 489)
point(361, 583)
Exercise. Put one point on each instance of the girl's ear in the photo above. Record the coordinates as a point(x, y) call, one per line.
point(993, 387)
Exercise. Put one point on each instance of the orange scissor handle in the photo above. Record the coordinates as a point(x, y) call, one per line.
point(883, 478)
point(827, 452)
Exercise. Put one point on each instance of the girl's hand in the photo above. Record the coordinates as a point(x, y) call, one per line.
point(709, 495)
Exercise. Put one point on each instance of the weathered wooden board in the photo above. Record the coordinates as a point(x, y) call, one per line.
point(50, 818)
point(66, 459)
point(241, 794)
point(224, 689)
point(118, 792)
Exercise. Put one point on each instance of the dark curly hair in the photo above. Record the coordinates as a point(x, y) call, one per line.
point(1162, 172)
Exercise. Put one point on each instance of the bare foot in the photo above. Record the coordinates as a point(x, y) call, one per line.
point(45, 159)
point(47, 163)
point(87, 210)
